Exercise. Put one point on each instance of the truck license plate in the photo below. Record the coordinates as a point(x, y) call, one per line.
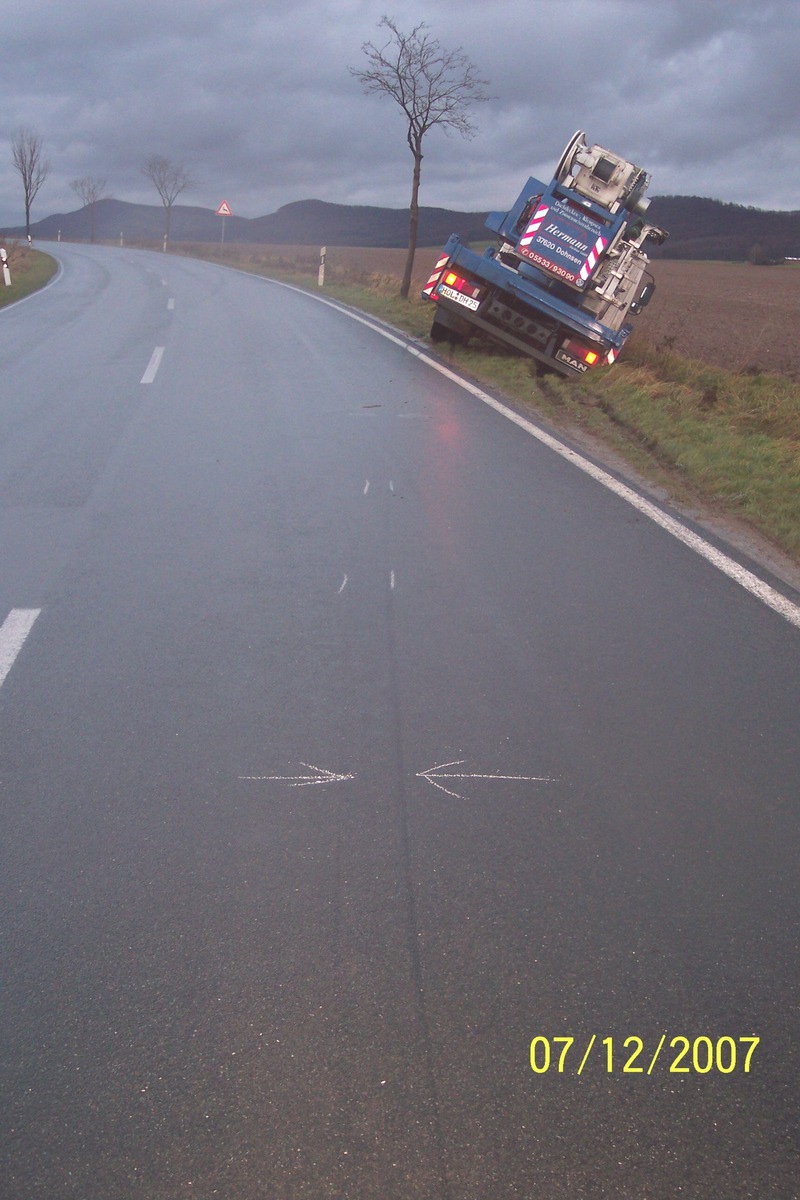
point(459, 297)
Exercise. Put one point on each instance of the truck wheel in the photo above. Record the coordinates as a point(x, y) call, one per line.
point(443, 333)
point(541, 370)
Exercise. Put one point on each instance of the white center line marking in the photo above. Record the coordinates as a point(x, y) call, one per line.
point(391, 580)
point(13, 633)
point(153, 365)
point(344, 585)
point(366, 487)
point(391, 487)
point(170, 304)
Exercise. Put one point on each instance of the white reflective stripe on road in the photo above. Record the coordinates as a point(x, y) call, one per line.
point(13, 633)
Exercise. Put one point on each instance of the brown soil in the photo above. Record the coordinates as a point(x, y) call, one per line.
point(730, 315)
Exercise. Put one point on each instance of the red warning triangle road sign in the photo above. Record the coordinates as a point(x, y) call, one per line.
point(224, 210)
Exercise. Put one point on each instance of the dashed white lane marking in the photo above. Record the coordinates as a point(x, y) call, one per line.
point(170, 304)
point(153, 365)
point(13, 633)
point(391, 487)
point(391, 580)
point(366, 487)
point(343, 586)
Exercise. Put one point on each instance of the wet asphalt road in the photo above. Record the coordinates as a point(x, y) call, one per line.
point(252, 945)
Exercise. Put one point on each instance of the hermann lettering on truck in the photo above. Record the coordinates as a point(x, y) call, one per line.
point(568, 271)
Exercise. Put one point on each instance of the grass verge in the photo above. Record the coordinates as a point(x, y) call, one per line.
point(30, 270)
point(732, 437)
point(721, 439)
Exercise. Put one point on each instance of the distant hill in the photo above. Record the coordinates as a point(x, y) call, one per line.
point(302, 223)
point(314, 222)
point(698, 228)
point(701, 228)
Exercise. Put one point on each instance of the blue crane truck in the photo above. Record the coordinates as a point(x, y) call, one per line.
point(567, 272)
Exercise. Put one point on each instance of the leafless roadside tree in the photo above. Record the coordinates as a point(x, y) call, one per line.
point(90, 190)
point(26, 150)
point(169, 179)
point(433, 86)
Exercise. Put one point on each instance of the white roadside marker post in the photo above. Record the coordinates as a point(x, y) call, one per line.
point(6, 270)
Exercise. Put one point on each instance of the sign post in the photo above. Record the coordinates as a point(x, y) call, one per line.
point(223, 211)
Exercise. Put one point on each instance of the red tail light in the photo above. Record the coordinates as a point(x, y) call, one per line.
point(584, 354)
point(459, 284)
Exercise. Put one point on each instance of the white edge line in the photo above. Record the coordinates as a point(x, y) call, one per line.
point(774, 599)
point(757, 587)
point(13, 633)
point(153, 365)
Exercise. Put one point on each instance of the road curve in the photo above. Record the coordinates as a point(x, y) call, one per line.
point(355, 748)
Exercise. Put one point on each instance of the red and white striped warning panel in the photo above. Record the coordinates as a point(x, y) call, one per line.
point(435, 277)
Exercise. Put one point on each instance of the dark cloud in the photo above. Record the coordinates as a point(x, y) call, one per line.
point(255, 98)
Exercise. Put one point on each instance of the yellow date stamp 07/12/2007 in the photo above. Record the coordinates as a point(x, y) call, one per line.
point(630, 1056)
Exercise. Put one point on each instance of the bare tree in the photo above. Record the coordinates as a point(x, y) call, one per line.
point(169, 179)
point(433, 86)
point(90, 190)
point(26, 149)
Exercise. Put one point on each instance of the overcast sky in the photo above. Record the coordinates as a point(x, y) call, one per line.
point(255, 98)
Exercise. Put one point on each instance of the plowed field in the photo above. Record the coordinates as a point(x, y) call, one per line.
point(732, 315)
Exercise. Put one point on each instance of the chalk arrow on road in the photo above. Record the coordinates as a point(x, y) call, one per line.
point(320, 775)
point(434, 774)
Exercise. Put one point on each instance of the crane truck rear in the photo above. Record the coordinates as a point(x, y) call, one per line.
point(568, 269)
